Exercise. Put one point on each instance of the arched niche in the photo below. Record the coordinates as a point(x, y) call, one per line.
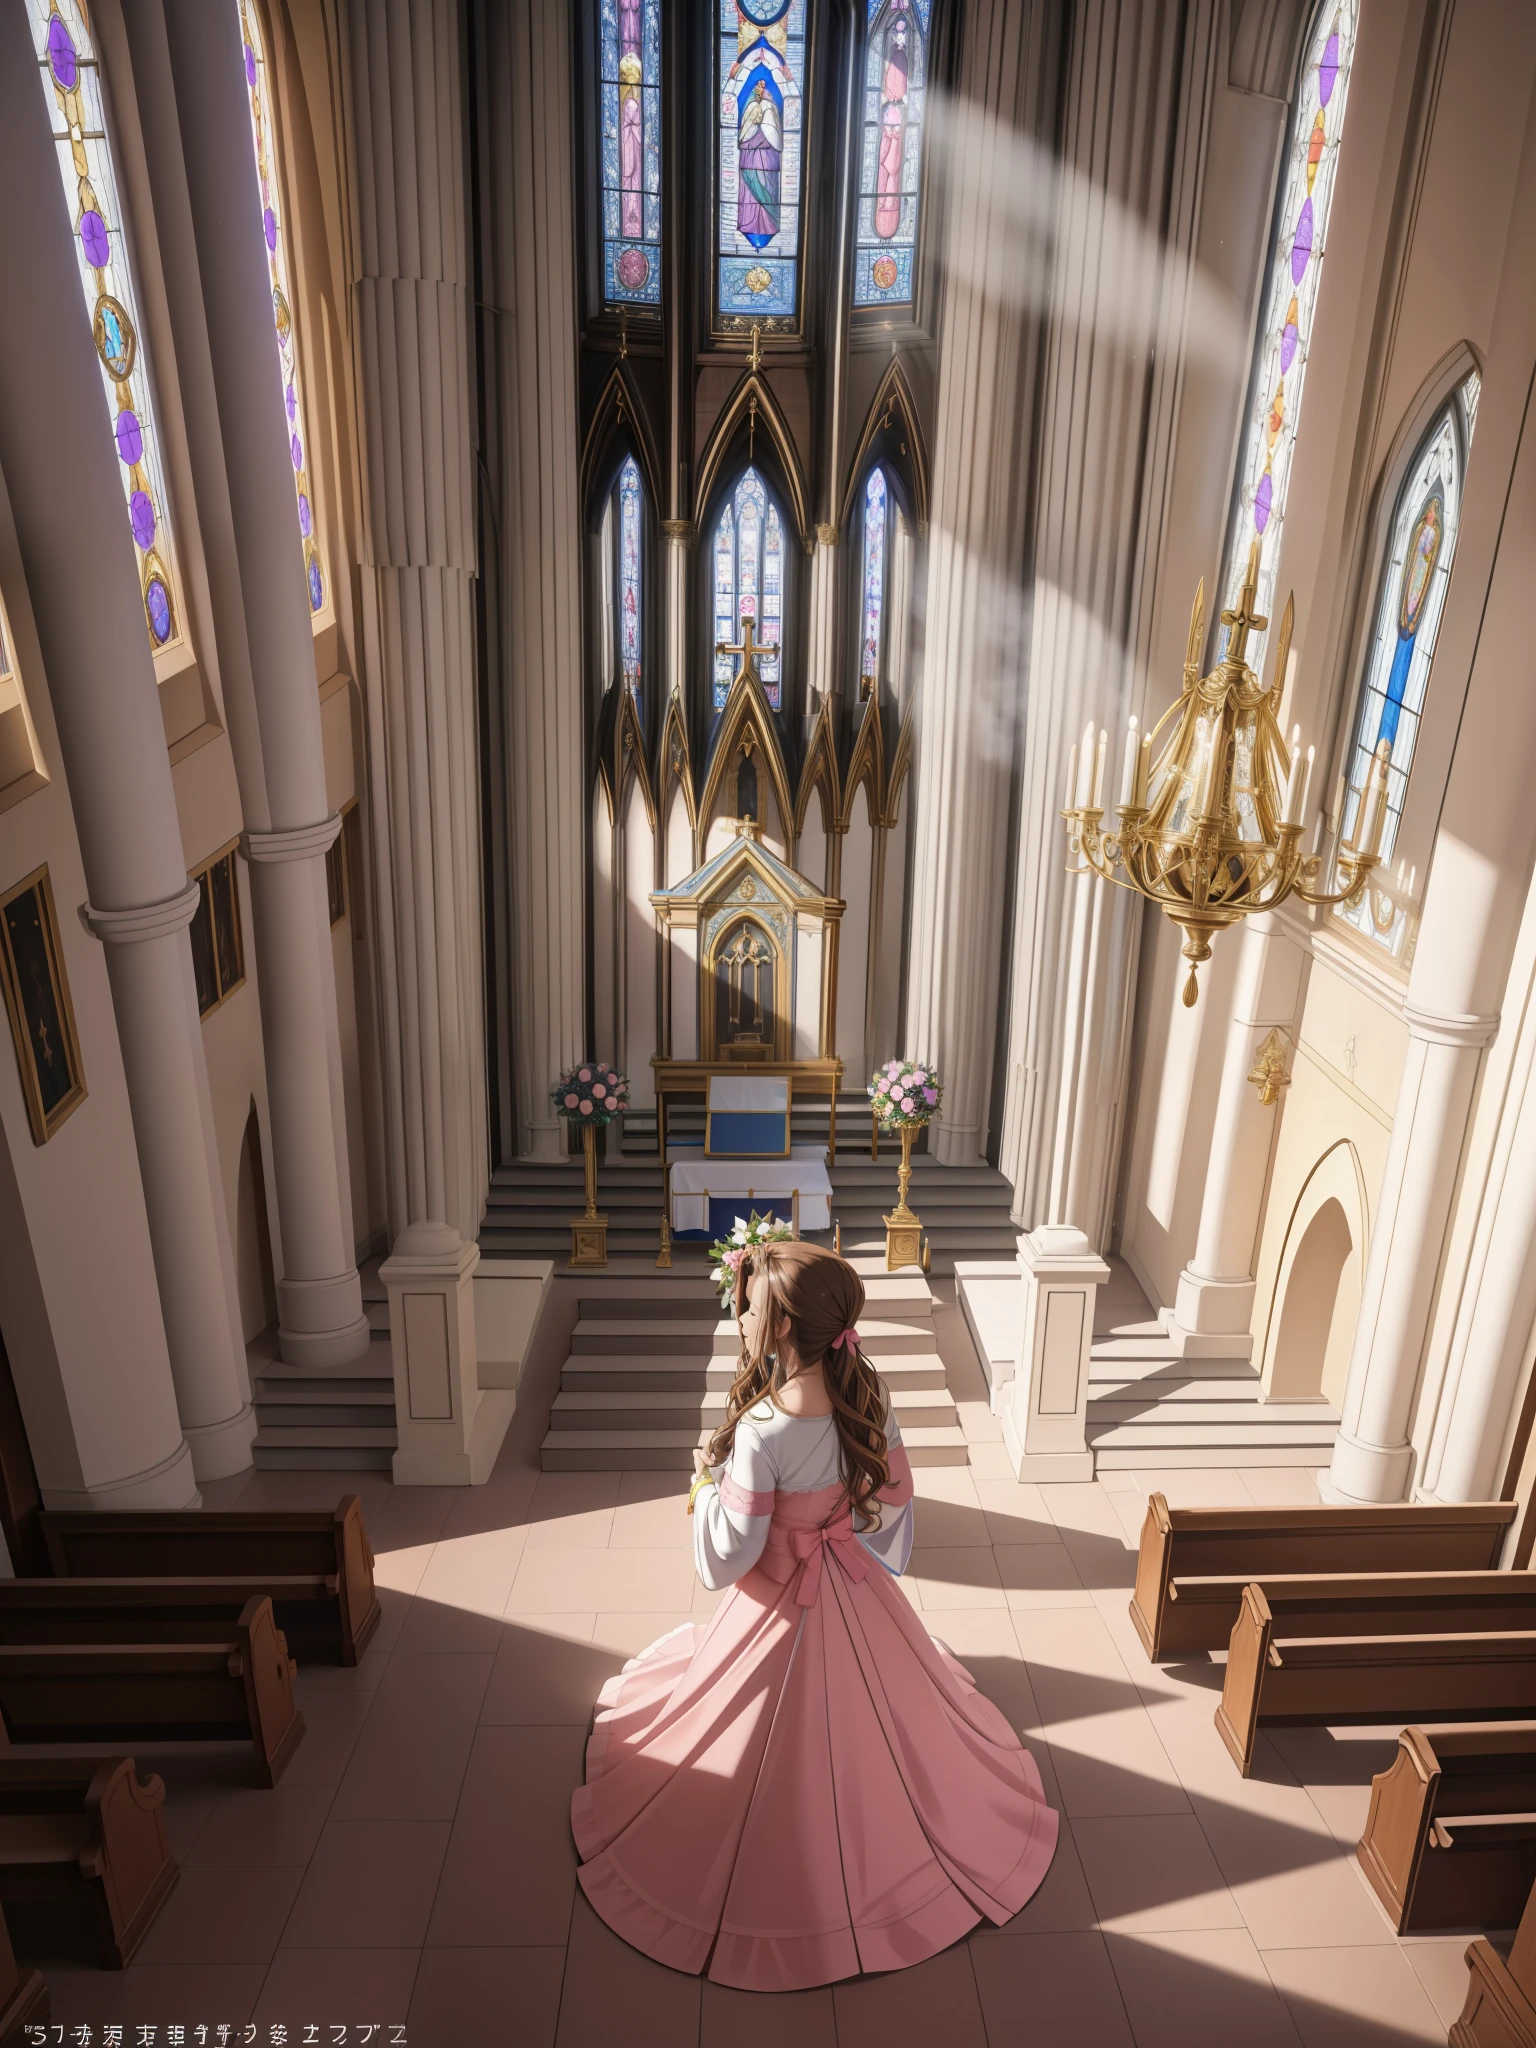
point(1317, 1294)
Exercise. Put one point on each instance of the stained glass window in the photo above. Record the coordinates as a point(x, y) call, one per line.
point(1421, 548)
point(629, 595)
point(264, 136)
point(873, 614)
point(1285, 333)
point(71, 78)
point(749, 584)
point(895, 74)
point(761, 116)
point(630, 64)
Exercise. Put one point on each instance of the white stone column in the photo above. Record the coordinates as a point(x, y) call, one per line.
point(533, 245)
point(678, 537)
point(320, 1309)
point(973, 665)
point(404, 82)
point(1045, 1412)
point(1140, 78)
point(1214, 1303)
point(1473, 902)
point(822, 639)
point(61, 473)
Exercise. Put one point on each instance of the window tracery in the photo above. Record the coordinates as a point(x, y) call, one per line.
point(895, 83)
point(761, 117)
point(1297, 249)
point(1415, 577)
point(71, 77)
point(749, 584)
point(630, 71)
point(629, 596)
point(264, 137)
point(872, 620)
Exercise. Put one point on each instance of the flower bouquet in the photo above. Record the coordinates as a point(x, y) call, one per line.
point(903, 1096)
point(727, 1253)
point(590, 1095)
point(905, 1092)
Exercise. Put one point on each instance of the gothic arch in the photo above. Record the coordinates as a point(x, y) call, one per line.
point(819, 769)
point(745, 718)
point(892, 435)
point(752, 408)
point(866, 765)
point(1317, 1290)
point(901, 762)
point(619, 425)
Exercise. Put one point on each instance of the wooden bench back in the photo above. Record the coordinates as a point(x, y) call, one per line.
point(1252, 1542)
point(139, 1610)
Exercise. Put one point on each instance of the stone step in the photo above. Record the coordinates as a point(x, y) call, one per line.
point(1158, 1392)
point(671, 1450)
point(337, 1457)
point(643, 1409)
point(692, 1337)
point(1209, 1432)
point(591, 1372)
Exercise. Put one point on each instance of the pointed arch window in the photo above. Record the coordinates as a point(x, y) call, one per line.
point(890, 180)
point(630, 88)
point(1297, 248)
point(274, 241)
point(749, 584)
point(72, 84)
point(761, 116)
point(629, 597)
point(1421, 547)
point(872, 620)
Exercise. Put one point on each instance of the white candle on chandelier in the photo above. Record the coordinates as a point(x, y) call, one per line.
point(1306, 783)
point(1099, 753)
point(1144, 771)
point(1071, 803)
point(1085, 769)
point(1290, 810)
point(1128, 768)
point(1371, 842)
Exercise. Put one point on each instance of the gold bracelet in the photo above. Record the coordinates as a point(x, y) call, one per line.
point(705, 1478)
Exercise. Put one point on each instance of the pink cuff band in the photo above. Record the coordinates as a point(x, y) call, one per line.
point(740, 1502)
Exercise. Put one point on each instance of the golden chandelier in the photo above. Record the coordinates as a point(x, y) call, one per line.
point(1212, 830)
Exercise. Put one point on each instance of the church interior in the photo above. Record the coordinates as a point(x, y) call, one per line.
point(899, 623)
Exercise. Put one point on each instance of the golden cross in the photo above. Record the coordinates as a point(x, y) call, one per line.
point(747, 650)
point(1244, 619)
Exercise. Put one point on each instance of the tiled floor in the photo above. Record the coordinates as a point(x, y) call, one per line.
point(415, 1865)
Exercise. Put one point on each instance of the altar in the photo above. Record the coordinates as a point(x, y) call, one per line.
point(747, 1162)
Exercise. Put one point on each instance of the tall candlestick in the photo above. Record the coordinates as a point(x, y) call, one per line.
point(1098, 768)
point(1071, 803)
point(1128, 769)
point(1306, 784)
point(1144, 771)
point(1085, 769)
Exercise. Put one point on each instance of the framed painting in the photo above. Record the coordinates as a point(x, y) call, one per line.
point(37, 1001)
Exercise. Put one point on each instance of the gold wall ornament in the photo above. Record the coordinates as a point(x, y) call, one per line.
point(1268, 1073)
point(1211, 831)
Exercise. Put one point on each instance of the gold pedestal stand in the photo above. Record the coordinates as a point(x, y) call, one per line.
point(589, 1231)
point(903, 1228)
point(664, 1256)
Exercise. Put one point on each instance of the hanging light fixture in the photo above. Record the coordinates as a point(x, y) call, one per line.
point(1211, 830)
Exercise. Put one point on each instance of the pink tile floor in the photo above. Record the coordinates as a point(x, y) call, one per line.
point(415, 1865)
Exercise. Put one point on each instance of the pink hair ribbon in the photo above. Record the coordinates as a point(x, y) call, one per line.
point(849, 1336)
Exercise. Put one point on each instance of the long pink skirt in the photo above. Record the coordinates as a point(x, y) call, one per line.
point(809, 1786)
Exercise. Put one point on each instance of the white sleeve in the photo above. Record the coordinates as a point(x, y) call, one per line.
point(891, 1540)
point(731, 1518)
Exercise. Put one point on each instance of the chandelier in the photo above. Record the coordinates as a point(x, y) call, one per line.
point(1211, 831)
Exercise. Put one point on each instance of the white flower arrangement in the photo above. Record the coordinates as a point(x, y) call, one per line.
point(727, 1253)
point(905, 1092)
point(591, 1093)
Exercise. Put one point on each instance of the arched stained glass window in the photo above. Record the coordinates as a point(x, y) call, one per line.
point(264, 136)
point(895, 78)
point(71, 78)
point(628, 583)
point(872, 620)
point(1421, 548)
point(630, 66)
point(761, 96)
point(749, 584)
point(1285, 334)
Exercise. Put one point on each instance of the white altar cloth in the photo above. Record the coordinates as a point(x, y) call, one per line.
point(760, 1184)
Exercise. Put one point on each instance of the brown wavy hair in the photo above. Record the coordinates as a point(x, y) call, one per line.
point(822, 1296)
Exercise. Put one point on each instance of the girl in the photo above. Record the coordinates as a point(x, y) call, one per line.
point(810, 1786)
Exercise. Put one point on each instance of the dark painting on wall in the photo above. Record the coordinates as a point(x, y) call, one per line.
point(37, 1000)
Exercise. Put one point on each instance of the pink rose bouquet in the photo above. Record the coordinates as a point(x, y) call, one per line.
point(591, 1093)
point(905, 1092)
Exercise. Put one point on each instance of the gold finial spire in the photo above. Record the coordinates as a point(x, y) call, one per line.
point(1196, 635)
point(1243, 619)
point(1283, 648)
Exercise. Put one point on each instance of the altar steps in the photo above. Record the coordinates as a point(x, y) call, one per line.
point(646, 1379)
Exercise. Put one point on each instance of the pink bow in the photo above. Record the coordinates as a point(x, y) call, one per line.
point(849, 1336)
point(811, 1545)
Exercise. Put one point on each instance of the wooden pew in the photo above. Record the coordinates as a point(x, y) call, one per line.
point(24, 2004)
point(1370, 1676)
point(1450, 1840)
point(197, 1543)
point(1500, 2011)
point(1352, 1603)
point(82, 1838)
point(1239, 1544)
point(236, 1687)
point(168, 1610)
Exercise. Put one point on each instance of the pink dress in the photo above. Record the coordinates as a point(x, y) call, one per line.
point(809, 1786)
